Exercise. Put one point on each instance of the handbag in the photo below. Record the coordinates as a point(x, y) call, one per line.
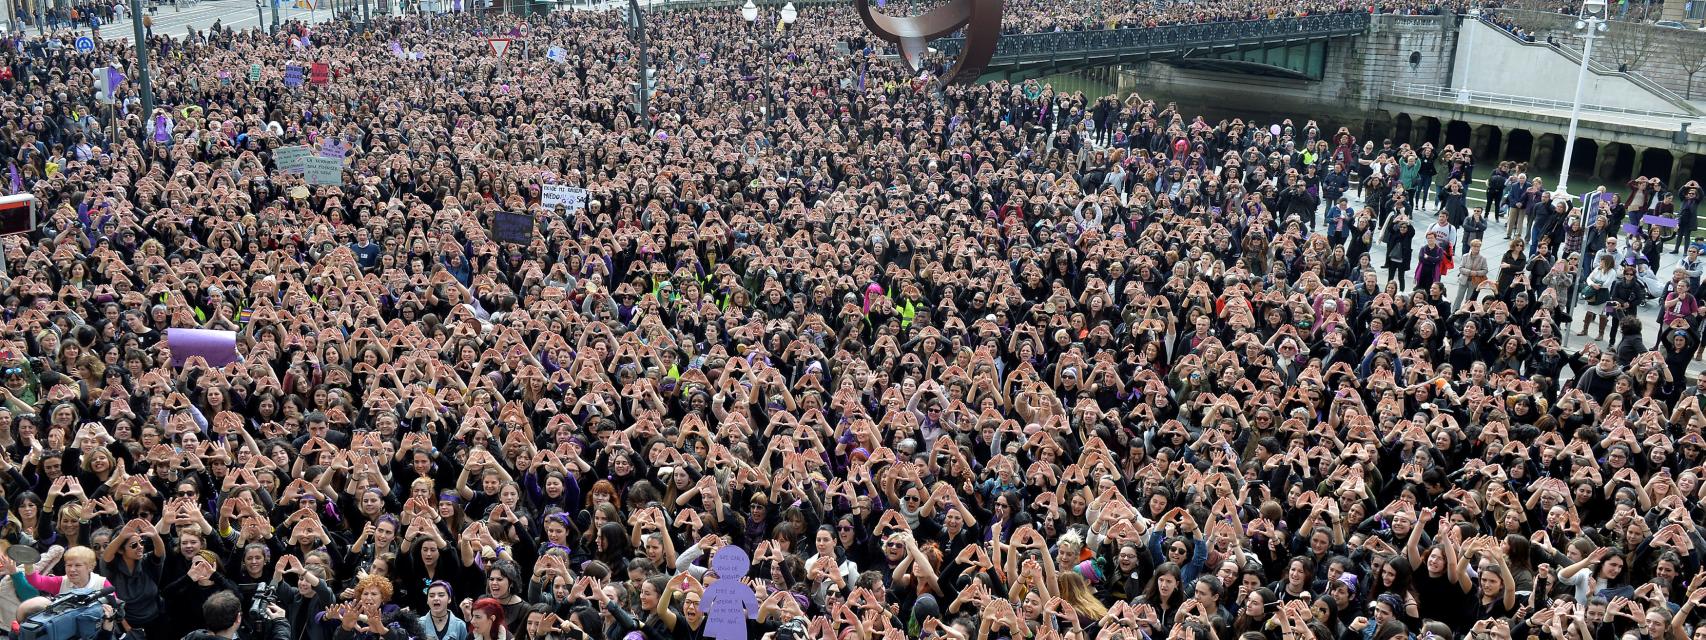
point(1595, 295)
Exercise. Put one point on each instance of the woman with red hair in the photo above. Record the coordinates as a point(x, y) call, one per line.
point(486, 620)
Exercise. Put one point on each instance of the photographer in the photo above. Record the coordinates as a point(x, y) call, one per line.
point(223, 616)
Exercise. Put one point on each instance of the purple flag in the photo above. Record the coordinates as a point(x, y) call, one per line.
point(160, 133)
point(17, 183)
point(114, 78)
point(862, 70)
point(397, 49)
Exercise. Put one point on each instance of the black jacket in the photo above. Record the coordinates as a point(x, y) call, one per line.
point(276, 629)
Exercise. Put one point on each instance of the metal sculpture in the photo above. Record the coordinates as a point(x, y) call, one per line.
point(981, 19)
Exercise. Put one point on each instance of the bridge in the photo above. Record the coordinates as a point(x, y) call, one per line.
point(1288, 47)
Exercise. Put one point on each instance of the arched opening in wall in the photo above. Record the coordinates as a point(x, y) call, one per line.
point(1622, 167)
point(1584, 158)
point(1693, 168)
point(1655, 163)
point(1401, 128)
point(1458, 134)
point(1486, 143)
point(1548, 155)
point(1428, 129)
point(1519, 147)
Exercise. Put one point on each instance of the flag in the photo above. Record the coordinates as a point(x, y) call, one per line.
point(397, 49)
point(862, 70)
point(245, 315)
point(17, 183)
point(114, 78)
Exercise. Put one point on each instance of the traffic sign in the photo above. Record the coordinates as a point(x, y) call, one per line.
point(499, 46)
point(85, 44)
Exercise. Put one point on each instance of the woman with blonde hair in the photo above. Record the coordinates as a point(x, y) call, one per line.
point(1075, 590)
point(80, 576)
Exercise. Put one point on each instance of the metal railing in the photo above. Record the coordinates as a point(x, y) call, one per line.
point(1137, 42)
point(1486, 98)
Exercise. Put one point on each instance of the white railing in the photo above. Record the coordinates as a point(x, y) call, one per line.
point(1448, 94)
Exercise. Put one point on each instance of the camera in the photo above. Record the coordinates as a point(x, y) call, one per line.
point(76, 615)
point(261, 595)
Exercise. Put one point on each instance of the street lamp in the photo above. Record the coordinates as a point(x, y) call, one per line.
point(1470, 26)
point(1591, 23)
point(749, 12)
point(637, 33)
point(789, 15)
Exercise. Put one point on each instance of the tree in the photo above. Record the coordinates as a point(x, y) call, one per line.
point(1629, 45)
point(1692, 60)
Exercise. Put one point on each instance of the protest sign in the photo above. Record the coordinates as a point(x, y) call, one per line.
point(512, 228)
point(323, 170)
point(572, 199)
point(289, 159)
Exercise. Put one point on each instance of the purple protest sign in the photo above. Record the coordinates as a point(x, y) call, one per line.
point(219, 348)
point(1659, 221)
point(1630, 228)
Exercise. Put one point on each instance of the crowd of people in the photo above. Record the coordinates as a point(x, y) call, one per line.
point(825, 351)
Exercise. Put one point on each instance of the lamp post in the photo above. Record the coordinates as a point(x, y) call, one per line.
point(1592, 23)
point(144, 82)
point(637, 32)
point(789, 15)
point(1470, 26)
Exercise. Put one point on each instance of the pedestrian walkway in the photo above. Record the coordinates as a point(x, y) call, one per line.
point(1495, 241)
point(236, 14)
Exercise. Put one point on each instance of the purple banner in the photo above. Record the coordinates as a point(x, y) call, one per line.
point(1659, 221)
point(219, 348)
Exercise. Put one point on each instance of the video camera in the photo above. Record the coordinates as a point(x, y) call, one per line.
point(261, 595)
point(75, 615)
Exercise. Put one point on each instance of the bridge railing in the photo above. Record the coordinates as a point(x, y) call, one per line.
point(1116, 42)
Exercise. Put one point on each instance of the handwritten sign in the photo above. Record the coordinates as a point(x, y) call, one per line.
point(332, 149)
point(290, 159)
point(571, 199)
point(317, 170)
point(558, 55)
point(512, 228)
point(292, 75)
point(320, 74)
point(728, 608)
point(255, 72)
